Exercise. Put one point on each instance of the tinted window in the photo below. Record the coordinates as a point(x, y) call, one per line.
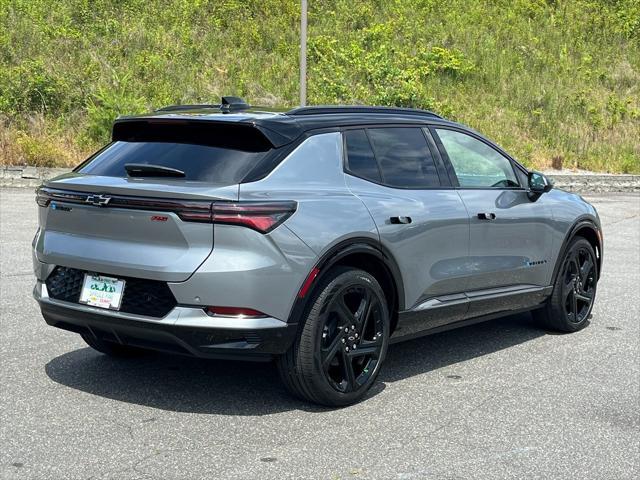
point(404, 157)
point(199, 162)
point(477, 164)
point(361, 161)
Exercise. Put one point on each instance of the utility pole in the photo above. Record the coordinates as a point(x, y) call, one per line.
point(303, 54)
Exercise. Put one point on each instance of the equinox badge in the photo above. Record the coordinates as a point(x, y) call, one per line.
point(98, 200)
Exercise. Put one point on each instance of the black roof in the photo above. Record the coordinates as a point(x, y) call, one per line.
point(279, 127)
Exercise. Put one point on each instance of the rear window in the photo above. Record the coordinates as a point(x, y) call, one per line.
point(201, 163)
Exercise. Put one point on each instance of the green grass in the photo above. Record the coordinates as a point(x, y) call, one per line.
point(547, 79)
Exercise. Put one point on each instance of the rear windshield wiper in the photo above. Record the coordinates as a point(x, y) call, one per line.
point(149, 170)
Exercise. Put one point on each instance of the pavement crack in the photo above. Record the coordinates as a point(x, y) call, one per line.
point(620, 220)
point(136, 466)
point(19, 274)
point(128, 428)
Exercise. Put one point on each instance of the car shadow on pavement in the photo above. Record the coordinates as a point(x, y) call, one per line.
point(184, 384)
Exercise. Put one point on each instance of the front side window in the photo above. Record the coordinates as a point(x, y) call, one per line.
point(477, 164)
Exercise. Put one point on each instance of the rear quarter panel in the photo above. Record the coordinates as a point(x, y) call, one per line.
point(265, 272)
point(312, 175)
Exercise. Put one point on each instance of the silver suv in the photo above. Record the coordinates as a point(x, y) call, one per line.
point(314, 237)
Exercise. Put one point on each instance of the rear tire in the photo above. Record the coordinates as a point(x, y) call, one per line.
point(112, 349)
point(569, 307)
point(342, 343)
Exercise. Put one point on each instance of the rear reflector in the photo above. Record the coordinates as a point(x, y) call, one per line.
point(308, 282)
point(234, 312)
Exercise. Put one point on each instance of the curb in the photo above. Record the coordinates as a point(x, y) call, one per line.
point(29, 177)
point(596, 182)
point(32, 177)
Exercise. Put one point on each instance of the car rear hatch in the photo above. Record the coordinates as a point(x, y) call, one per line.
point(152, 220)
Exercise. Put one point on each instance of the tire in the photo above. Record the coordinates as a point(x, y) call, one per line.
point(327, 364)
point(569, 307)
point(112, 349)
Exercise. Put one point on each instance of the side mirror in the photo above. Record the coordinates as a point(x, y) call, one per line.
point(538, 184)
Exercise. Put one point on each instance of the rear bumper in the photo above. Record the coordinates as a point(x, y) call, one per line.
point(185, 330)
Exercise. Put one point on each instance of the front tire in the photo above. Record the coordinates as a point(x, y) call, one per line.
point(342, 342)
point(569, 308)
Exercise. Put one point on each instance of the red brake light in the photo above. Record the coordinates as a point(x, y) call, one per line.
point(260, 216)
point(234, 312)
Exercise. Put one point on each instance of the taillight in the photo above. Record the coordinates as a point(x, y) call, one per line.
point(234, 312)
point(193, 211)
point(42, 200)
point(44, 196)
point(260, 216)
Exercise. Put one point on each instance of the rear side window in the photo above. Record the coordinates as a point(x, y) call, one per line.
point(201, 163)
point(404, 157)
point(360, 158)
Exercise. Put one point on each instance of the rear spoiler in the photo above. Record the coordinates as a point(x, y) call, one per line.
point(247, 136)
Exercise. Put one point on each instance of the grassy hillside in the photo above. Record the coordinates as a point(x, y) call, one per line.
point(545, 78)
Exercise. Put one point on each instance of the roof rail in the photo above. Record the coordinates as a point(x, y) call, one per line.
point(173, 108)
point(337, 109)
point(228, 104)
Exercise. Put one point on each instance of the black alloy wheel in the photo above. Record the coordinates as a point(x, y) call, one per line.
point(352, 333)
point(579, 284)
point(569, 307)
point(343, 341)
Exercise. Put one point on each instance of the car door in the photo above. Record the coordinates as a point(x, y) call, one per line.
point(421, 220)
point(510, 235)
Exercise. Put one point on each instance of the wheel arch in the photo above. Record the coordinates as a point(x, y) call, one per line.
point(588, 229)
point(365, 254)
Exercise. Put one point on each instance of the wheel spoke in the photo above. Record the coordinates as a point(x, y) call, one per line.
point(574, 307)
point(349, 374)
point(567, 289)
point(584, 296)
point(585, 270)
point(330, 353)
point(365, 318)
point(569, 274)
point(365, 349)
point(343, 312)
point(363, 308)
point(576, 260)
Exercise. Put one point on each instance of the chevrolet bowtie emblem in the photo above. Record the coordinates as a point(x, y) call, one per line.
point(98, 200)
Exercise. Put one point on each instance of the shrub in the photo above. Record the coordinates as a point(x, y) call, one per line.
point(29, 87)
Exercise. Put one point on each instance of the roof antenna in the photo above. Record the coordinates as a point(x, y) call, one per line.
point(230, 104)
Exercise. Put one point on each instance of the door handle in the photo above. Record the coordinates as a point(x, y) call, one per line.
point(398, 220)
point(487, 216)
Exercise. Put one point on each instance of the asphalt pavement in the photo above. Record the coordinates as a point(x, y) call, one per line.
point(503, 399)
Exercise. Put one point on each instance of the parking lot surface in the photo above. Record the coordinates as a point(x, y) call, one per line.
point(503, 399)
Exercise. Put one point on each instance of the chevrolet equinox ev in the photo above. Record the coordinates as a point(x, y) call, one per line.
point(314, 238)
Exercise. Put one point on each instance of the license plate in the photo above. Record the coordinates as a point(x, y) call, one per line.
point(101, 291)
